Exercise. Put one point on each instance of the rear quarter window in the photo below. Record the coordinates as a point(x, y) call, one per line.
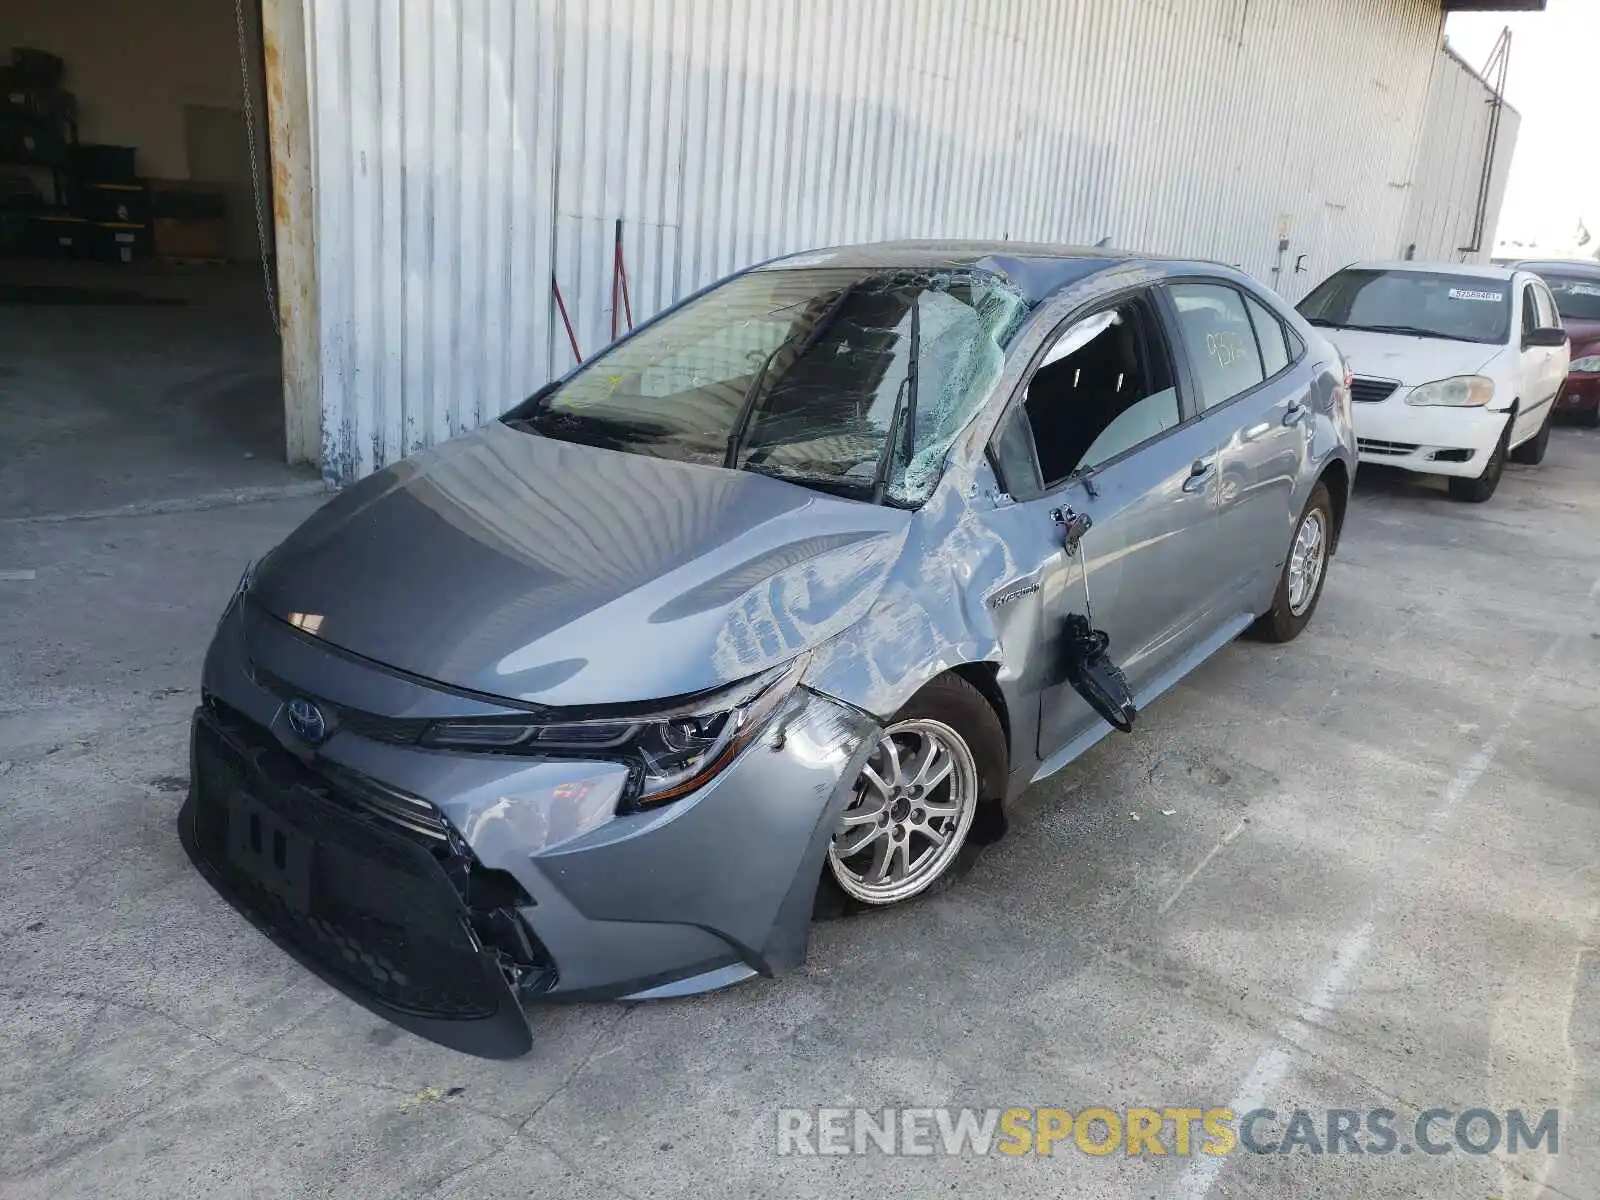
point(1271, 336)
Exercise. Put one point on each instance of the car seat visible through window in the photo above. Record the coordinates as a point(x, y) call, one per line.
point(1074, 401)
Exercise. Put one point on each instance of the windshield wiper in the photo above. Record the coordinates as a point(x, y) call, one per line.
point(588, 428)
point(747, 403)
point(843, 485)
point(1409, 331)
point(905, 410)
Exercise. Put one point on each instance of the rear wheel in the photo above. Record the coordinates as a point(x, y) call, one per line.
point(1476, 491)
point(1531, 452)
point(906, 829)
point(1300, 585)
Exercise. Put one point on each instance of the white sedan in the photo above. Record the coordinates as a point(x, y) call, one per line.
point(1455, 366)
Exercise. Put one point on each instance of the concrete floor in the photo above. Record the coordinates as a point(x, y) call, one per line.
point(170, 396)
point(1376, 888)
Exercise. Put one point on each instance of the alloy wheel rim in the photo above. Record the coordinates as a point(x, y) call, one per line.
point(913, 805)
point(1306, 560)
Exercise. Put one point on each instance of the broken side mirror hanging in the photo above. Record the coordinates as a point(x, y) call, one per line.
point(1087, 666)
point(1073, 526)
point(1094, 676)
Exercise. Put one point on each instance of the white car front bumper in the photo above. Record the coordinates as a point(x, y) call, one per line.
point(1434, 439)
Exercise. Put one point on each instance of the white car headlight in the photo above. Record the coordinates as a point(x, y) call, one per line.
point(1459, 391)
point(1589, 363)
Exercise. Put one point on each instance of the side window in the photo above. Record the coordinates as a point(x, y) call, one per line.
point(1549, 318)
point(1270, 337)
point(1218, 339)
point(1530, 309)
point(1103, 388)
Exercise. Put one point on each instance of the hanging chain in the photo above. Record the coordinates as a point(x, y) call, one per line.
point(255, 168)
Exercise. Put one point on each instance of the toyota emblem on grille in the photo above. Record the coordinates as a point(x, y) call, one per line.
point(306, 719)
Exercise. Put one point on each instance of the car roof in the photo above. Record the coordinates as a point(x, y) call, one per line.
point(1039, 269)
point(1587, 268)
point(1476, 270)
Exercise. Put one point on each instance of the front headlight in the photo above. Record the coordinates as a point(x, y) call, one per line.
point(1459, 391)
point(672, 751)
point(1588, 363)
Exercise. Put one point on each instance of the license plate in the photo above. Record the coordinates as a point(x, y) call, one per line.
point(270, 851)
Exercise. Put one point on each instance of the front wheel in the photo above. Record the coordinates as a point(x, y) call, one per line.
point(1476, 491)
point(1300, 584)
point(1590, 419)
point(906, 828)
point(1531, 452)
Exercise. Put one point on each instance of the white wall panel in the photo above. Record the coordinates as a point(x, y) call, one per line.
point(467, 151)
point(1443, 200)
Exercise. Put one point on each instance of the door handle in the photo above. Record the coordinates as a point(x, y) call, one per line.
point(1200, 474)
point(1256, 432)
point(1295, 411)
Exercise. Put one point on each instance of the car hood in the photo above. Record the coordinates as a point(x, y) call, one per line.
point(1411, 360)
point(514, 565)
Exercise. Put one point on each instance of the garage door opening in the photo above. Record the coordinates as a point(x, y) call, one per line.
point(139, 359)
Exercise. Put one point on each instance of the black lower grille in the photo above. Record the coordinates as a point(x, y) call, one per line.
point(368, 902)
point(1386, 449)
point(1370, 391)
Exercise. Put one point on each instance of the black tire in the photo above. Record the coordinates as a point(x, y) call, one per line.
point(1531, 452)
point(1476, 491)
point(1281, 623)
point(952, 701)
point(1588, 420)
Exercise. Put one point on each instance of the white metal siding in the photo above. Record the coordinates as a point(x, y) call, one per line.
point(1444, 186)
point(468, 150)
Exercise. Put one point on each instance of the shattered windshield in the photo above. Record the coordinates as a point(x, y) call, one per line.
point(803, 374)
point(1462, 308)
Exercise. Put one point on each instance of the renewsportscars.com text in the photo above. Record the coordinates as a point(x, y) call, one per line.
point(1160, 1131)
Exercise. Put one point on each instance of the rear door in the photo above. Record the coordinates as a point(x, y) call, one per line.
point(1258, 409)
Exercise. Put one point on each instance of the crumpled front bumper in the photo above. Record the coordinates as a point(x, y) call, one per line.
point(697, 894)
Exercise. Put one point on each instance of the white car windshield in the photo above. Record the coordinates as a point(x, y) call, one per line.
point(1461, 308)
point(801, 373)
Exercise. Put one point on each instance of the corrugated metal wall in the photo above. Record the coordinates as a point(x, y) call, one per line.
point(467, 151)
point(1444, 185)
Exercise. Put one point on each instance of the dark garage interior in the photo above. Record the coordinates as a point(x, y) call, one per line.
point(138, 358)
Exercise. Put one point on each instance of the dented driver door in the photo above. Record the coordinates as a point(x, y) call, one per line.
point(1146, 571)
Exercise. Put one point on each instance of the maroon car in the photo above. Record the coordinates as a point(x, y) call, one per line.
point(1576, 288)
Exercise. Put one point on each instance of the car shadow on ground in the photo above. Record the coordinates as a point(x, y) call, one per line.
point(1376, 479)
point(1373, 479)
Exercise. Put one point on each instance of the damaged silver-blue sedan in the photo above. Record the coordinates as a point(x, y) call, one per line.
point(766, 611)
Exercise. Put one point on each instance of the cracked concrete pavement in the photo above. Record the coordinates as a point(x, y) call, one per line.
point(1375, 888)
